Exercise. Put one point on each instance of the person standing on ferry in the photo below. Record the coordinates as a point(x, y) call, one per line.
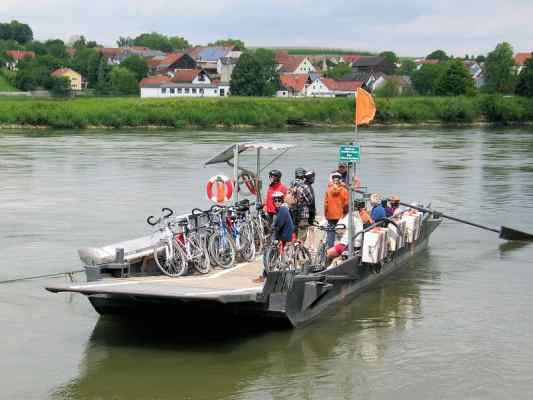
point(275, 185)
point(335, 204)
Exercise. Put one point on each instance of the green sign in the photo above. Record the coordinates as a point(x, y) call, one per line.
point(349, 153)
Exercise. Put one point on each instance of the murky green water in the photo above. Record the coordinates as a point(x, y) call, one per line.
point(456, 324)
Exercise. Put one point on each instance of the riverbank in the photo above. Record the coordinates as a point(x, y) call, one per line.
point(123, 112)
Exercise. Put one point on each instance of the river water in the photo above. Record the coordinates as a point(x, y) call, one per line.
point(457, 323)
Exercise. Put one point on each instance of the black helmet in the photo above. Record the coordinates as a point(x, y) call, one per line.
point(276, 173)
point(299, 173)
point(310, 176)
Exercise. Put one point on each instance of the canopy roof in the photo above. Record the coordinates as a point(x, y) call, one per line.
point(227, 154)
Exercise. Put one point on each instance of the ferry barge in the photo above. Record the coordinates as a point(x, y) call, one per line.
point(122, 278)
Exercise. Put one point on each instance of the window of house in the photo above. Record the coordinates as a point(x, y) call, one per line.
point(193, 90)
point(186, 90)
point(172, 90)
point(179, 90)
point(222, 92)
point(163, 90)
point(201, 90)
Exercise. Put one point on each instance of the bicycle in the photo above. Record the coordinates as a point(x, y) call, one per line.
point(241, 228)
point(193, 245)
point(221, 245)
point(282, 256)
point(168, 255)
point(320, 258)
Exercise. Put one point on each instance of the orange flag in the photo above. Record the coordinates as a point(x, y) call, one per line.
point(365, 109)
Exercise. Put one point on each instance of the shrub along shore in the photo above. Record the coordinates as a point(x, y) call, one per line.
point(123, 112)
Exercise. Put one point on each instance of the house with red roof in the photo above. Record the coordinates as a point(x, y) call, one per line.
point(173, 62)
point(16, 56)
point(520, 60)
point(77, 82)
point(313, 85)
point(184, 83)
point(295, 65)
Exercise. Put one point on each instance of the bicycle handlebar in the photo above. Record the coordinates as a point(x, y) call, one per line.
point(148, 220)
point(328, 228)
point(170, 212)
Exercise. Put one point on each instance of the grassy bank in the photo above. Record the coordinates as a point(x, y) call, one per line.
point(260, 112)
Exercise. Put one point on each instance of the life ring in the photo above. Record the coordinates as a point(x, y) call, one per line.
point(219, 189)
point(249, 182)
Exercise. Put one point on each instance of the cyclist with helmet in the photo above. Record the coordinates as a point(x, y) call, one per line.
point(282, 226)
point(300, 202)
point(275, 185)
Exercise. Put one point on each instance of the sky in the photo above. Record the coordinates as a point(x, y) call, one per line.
point(408, 27)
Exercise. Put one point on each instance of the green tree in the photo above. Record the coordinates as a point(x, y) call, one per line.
point(31, 75)
point(17, 31)
point(338, 71)
point(136, 64)
point(425, 80)
point(392, 58)
point(456, 80)
point(525, 79)
point(59, 86)
point(438, 55)
point(499, 69)
point(154, 41)
point(93, 64)
point(178, 43)
point(123, 82)
point(103, 84)
point(480, 59)
point(390, 88)
point(37, 47)
point(81, 61)
point(408, 67)
point(56, 48)
point(255, 74)
point(236, 43)
point(51, 63)
point(124, 41)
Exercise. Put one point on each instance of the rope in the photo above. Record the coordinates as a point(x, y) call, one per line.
point(69, 274)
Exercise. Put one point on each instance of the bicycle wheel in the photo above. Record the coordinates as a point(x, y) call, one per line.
point(259, 236)
point(172, 265)
point(247, 248)
point(222, 247)
point(271, 258)
point(320, 259)
point(301, 257)
point(200, 258)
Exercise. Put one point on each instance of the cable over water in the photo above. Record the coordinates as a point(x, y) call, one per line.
point(26, 278)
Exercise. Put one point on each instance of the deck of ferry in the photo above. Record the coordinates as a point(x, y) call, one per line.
point(225, 286)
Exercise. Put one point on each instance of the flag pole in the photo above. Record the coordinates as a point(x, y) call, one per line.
point(350, 189)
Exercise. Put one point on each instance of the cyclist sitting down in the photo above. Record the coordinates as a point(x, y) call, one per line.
point(341, 246)
point(282, 226)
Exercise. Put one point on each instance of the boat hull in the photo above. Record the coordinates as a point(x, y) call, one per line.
point(305, 298)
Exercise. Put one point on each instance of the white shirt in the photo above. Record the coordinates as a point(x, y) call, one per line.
point(357, 227)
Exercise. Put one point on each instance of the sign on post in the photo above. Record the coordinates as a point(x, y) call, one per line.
point(349, 153)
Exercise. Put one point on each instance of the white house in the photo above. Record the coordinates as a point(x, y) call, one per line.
point(186, 83)
point(295, 65)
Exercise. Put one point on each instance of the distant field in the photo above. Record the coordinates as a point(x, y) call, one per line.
point(5, 86)
point(311, 51)
point(270, 112)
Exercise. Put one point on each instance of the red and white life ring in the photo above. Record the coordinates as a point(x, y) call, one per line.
point(219, 188)
point(249, 183)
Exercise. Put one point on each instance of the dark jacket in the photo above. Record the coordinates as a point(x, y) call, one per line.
point(283, 227)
